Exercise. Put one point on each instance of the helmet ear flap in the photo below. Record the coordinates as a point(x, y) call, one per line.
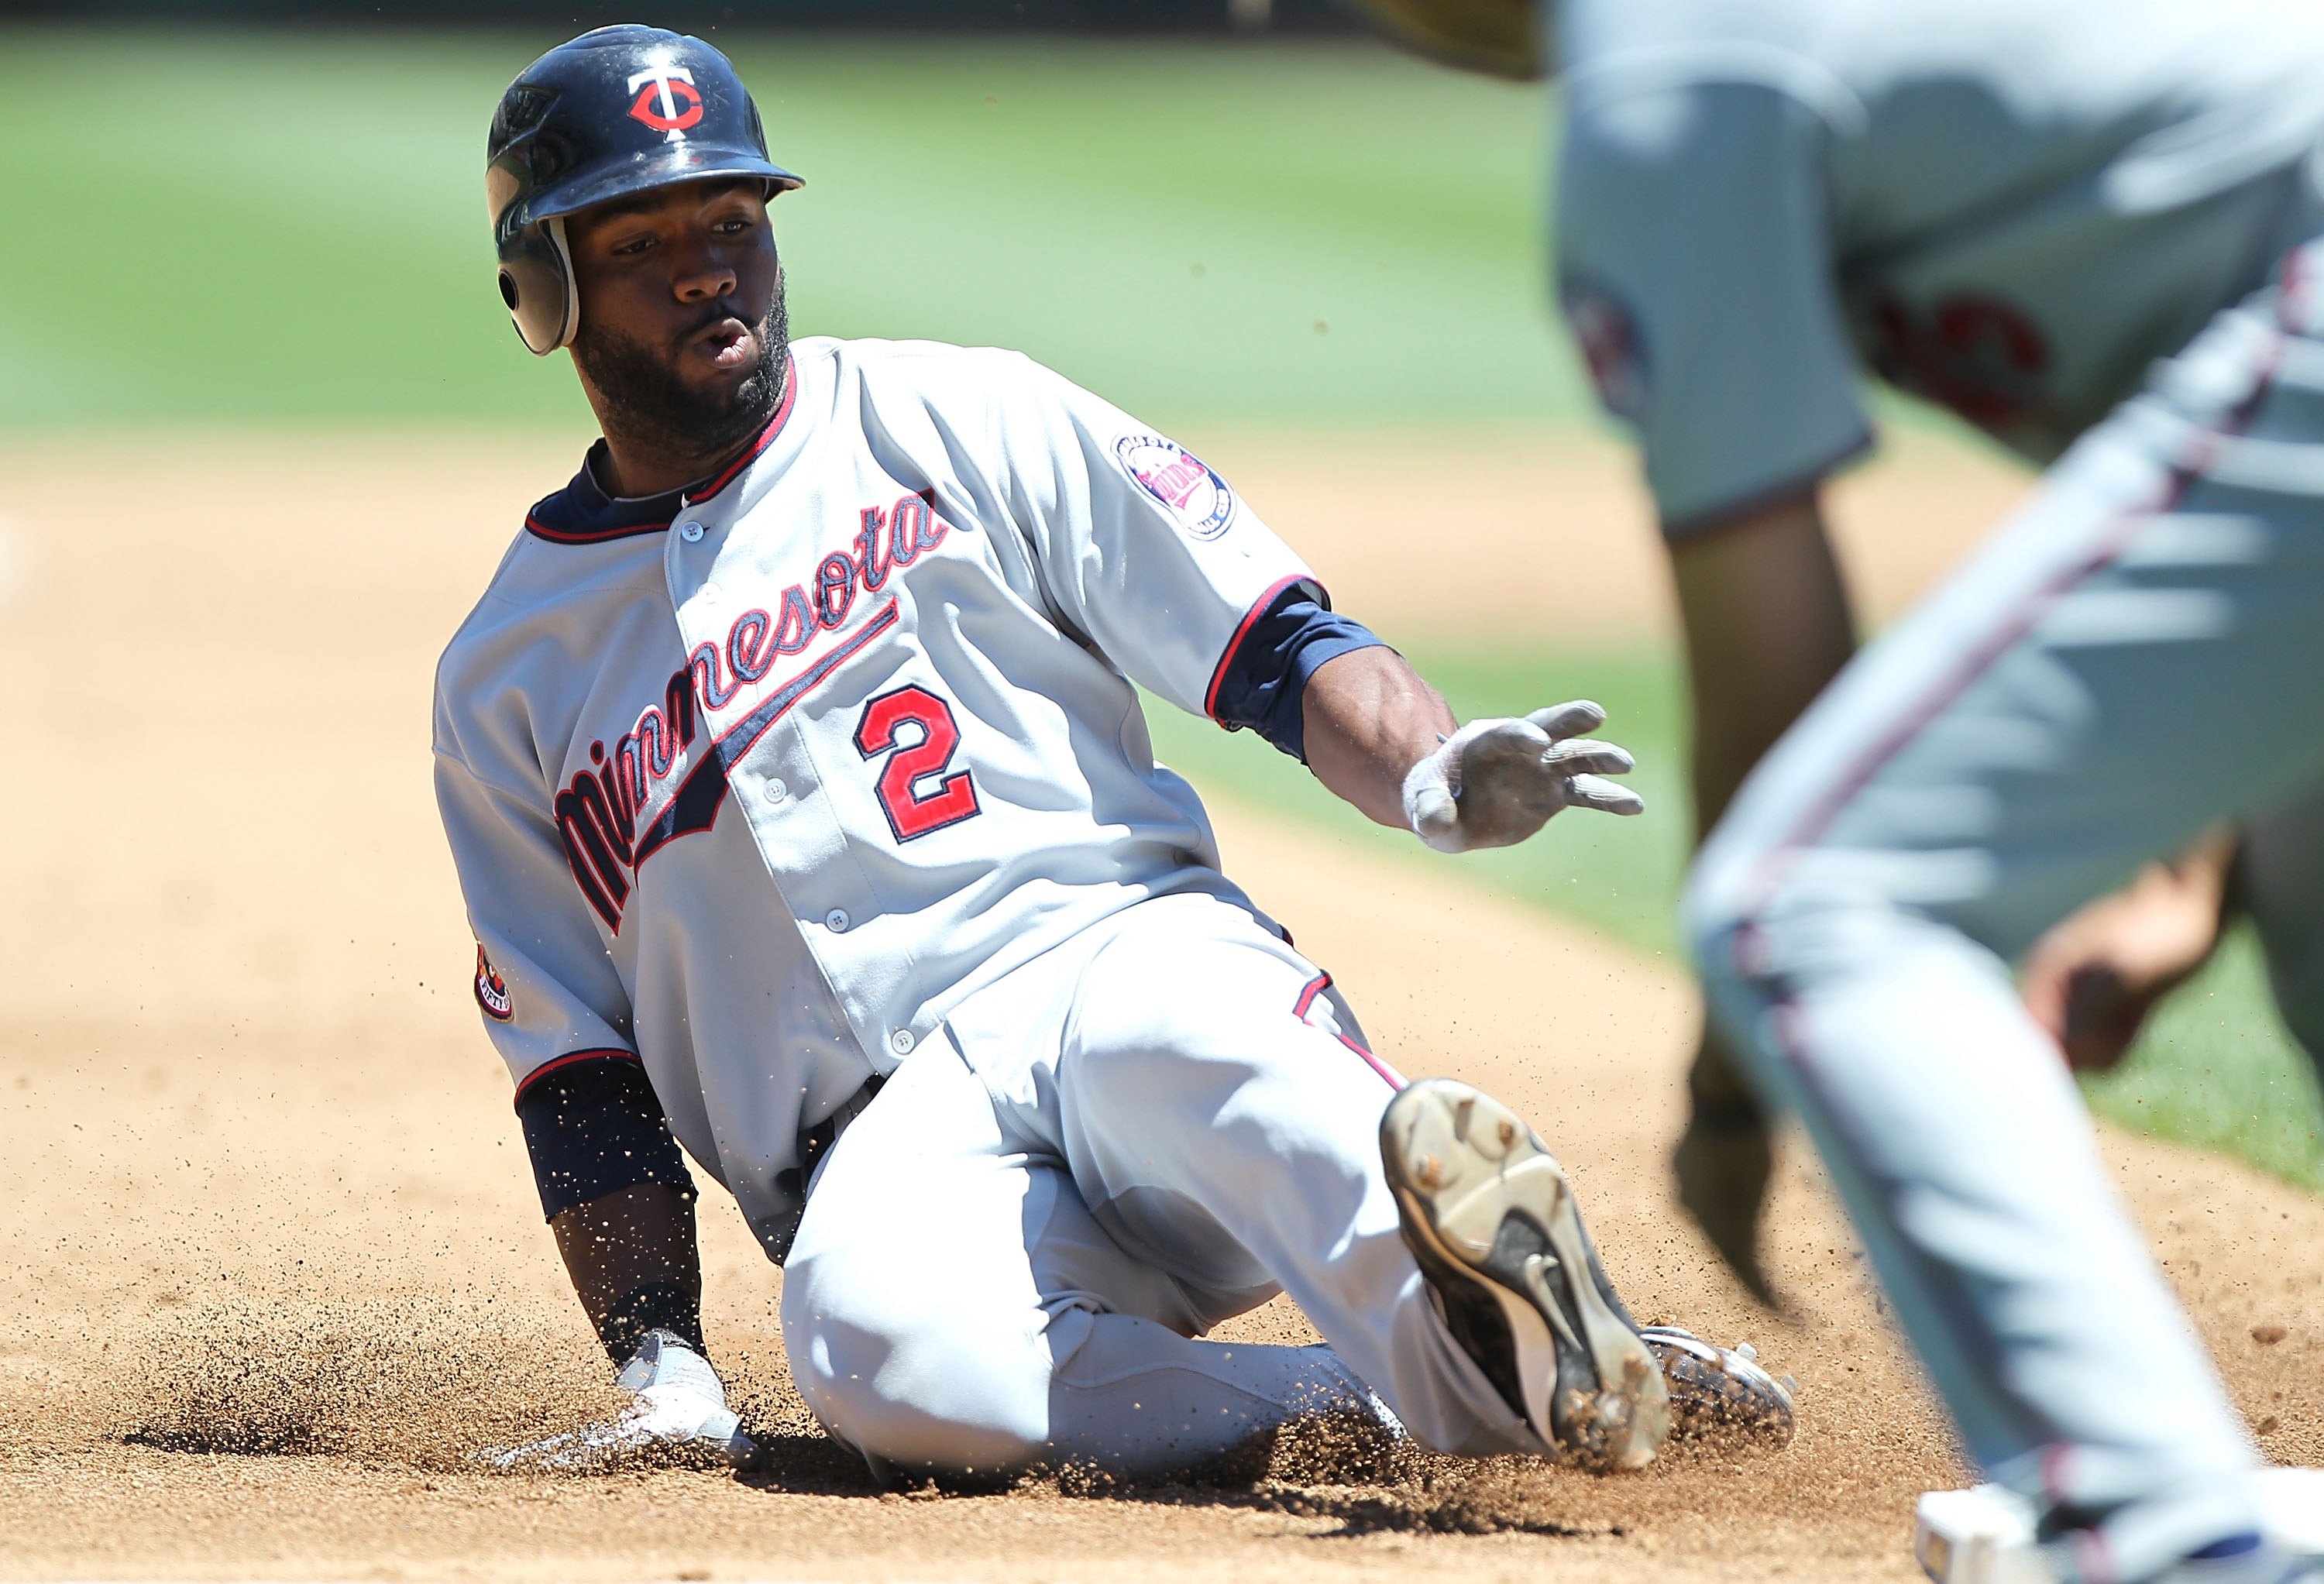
point(536, 283)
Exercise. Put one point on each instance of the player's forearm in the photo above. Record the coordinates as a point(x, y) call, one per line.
point(1732, 737)
point(634, 1264)
point(1768, 627)
point(1370, 719)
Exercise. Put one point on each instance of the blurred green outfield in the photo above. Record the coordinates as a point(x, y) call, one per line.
point(246, 229)
point(292, 227)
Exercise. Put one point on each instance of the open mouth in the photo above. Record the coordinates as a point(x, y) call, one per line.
point(727, 342)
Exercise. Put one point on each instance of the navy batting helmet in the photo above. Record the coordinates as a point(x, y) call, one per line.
point(615, 112)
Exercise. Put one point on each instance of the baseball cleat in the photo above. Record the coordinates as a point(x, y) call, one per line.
point(1720, 1392)
point(1488, 1212)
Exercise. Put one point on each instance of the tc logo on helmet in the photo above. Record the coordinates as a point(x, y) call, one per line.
point(666, 100)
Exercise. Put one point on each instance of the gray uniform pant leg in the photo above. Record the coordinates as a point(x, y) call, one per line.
point(1221, 1115)
point(2281, 876)
point(2138, 653)
point(1010, 1257)
point(951, 1307)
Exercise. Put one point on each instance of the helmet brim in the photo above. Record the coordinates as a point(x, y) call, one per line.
point(680, 163)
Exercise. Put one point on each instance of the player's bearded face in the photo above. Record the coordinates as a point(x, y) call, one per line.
point(683, 339)
point(659, 402)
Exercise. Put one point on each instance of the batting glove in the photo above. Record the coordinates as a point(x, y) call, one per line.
point(1493, 783)
point(677, 1405)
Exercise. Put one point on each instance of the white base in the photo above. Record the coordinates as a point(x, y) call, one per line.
point(1985, 1534)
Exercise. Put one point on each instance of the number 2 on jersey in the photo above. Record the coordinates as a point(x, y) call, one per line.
point(910, 811)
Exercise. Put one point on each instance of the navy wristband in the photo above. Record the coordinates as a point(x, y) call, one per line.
point(1262, 679)
point(592, 1126)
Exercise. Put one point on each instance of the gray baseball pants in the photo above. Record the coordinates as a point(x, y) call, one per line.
point(1010, 1257)
point(2137, 653)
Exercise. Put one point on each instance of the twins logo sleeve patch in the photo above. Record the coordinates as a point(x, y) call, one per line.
point(1196, 498)
point(491, 990)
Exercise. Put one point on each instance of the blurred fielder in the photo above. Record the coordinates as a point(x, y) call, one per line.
point(2093, 231)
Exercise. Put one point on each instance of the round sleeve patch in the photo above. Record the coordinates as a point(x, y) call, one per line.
point(1607, 334)
point(1197, 499)
point(492, 994)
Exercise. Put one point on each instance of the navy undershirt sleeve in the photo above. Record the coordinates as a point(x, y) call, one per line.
point(1263, 683)
point(594, 1128)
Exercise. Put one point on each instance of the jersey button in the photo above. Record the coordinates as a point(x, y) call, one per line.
point(901, 1042)
point(838, 920)
point(689, 531)
point(775, 790)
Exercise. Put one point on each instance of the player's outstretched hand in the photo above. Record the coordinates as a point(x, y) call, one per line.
point(677, 1405)
point(1493, 783)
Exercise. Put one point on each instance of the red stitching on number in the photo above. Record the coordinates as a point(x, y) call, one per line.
point(912, 813)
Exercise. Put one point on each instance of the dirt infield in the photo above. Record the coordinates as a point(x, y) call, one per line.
point(1531, 533)
point(270, 1264)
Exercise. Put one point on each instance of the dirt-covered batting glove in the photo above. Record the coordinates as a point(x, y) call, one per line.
point(1493, 783)
point(677, 1405)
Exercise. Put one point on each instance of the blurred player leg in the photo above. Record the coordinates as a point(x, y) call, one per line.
point(950, 1306)
point(2280, 874)
point(2139, 652)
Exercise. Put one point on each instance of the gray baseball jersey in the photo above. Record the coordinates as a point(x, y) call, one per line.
point(756, 789)
point(2009, 207)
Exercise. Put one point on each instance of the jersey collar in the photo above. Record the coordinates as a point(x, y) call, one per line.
point(695, 494)
point(583, 513)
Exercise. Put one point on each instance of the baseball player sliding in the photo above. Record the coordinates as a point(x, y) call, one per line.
point(2097, 232)
point(805, 816)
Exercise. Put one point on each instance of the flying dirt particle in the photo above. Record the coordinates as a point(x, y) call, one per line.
point(1347, 1469)
point(2269, 1335)
point(409, 1380)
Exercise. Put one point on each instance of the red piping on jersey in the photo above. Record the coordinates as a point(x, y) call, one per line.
point(558, 536)
point(1316, 987)
point(534, 525)
point(573, 1058)
point(1250, 620)
point(766, 437)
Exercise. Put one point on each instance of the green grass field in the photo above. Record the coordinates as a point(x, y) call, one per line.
point(233, 227)
point(252, 228)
